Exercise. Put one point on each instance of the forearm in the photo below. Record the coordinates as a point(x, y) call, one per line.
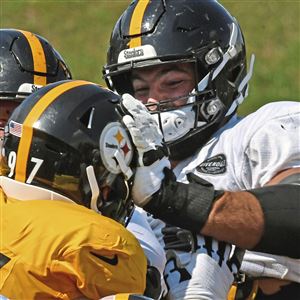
point(265, 219)
point(249, 219)
point(236, 218)
point(253, 219)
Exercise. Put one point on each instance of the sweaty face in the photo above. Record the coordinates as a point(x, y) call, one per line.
point(157, 83)
point(6, 109)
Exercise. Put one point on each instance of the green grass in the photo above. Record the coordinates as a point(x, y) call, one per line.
point(80, 31)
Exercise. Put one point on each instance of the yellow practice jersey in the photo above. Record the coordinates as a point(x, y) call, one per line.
point(54, 249)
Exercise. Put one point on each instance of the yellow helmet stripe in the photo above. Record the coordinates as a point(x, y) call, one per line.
point(32, 117)
point(39, 59)
point(136, 23)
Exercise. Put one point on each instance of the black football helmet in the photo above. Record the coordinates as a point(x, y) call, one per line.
point(66, 138)
point(203, 33)
point(27, 62)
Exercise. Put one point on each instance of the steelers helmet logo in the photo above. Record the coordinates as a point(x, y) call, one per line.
point(114, 140)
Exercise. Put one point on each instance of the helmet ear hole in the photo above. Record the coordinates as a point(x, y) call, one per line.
point(87, 118)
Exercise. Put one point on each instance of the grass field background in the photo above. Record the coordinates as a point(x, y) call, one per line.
point(80, 31)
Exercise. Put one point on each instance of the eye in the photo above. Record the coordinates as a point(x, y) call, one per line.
point(175, 82)
point(141, 90)
point(141, 93)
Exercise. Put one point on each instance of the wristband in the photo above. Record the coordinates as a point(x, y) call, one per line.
point(183, 205)
point(280, 205)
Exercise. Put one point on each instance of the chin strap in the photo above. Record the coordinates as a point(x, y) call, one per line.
point(126, 170)
point(94, 188)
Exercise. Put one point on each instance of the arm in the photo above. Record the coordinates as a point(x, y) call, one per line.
point(236, 217)
point(205, 269)
point(249, 219)
point(105, 264)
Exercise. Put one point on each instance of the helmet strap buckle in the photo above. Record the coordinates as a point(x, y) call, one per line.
point(126, 170)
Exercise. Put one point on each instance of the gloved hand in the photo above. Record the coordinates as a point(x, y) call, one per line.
point(152, 153)
point(179, 239)
point(198, 267)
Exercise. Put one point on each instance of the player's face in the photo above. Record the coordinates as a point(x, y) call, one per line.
point(6, 109)
point(163, 82)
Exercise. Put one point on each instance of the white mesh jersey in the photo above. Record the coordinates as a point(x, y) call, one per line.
point(244, 154)
point(248, 152)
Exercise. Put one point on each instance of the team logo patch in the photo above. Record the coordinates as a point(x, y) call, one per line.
point(15, 128)
point(115, 141)
point(213, 165)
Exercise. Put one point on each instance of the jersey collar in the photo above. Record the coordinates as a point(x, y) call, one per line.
point(22, 191)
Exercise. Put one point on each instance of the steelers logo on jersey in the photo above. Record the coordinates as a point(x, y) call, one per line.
point(115, 141)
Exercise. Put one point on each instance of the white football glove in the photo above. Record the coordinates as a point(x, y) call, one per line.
point(198, 267)
point(148, 140)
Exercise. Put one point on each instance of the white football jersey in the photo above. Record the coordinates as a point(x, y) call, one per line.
point(244, 154)
point(248, 152)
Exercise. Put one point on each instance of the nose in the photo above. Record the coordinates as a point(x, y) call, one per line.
point(156, 94)
point(154, 97)
point(152, 103)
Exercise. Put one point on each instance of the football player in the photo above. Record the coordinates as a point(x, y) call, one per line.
point(28, 61)
point(234, 179)
point(65, 190)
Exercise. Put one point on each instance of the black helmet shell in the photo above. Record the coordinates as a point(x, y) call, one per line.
point(63, 133)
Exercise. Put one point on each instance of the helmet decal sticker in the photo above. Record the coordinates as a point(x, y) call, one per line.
point(28, 88)
point(115, 139)
point(146, 51)
point(15, 128)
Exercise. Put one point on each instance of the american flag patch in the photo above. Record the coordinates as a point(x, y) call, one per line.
point(15, 128)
